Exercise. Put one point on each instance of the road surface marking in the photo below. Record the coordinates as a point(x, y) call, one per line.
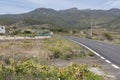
point(107, 61)
point(102, 57)
point(86, 47)
point(115, 66)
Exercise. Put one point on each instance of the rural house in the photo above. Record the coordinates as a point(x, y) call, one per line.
point(2, 30)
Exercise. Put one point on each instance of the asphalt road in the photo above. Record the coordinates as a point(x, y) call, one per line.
point(109, 51)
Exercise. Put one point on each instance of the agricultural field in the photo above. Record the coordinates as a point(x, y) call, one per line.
point(48, 59)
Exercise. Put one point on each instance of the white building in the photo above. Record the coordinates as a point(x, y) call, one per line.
point(2, 29)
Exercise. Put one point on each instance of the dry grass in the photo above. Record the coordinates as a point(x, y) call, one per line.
point(41, 51)
point(23, 49)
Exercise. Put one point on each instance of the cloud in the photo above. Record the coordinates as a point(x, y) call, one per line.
point(55, 4)
point(38, 1)
point(12, 10)
point(13, 7)
point(113, 3)
point(48, 2)
point(20, 6)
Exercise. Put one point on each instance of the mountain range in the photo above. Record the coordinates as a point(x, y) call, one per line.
point(69, 18)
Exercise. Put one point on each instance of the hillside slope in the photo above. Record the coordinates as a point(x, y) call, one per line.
point(70, 18)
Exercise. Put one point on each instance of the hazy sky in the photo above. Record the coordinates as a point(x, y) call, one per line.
point(21, 6)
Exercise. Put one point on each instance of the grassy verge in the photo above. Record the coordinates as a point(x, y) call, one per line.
point(62, 48)
point(41, 51)
point(28, 70)
point(27, 60)
point(65, 49)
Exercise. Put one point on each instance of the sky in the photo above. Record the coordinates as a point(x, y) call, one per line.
point(22, 6)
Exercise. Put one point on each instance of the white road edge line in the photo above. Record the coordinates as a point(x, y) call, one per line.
point(102, 57)
point(107, 61)
point(115, 66)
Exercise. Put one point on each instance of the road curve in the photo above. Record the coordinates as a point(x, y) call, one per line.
point(109, 51)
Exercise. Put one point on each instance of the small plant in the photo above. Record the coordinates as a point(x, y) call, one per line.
point(108, 36)
point(62, 48)
point(56, 53)
point(82, 53)
point(29, 70)
point(96, 65)
point(91, 54)
point(5, 46)
point(27, 44)
point(88, 36)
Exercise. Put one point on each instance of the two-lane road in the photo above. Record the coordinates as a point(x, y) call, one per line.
point(109, 51)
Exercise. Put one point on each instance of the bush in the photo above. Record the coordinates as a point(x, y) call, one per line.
point(90, 54)
point(56, 53)
point(16, 32)
point(28, 70)
point(82, 53)
point(88, 37)
point(27, 45)
point(27, 32)
point(108, 36)
point(62, 48)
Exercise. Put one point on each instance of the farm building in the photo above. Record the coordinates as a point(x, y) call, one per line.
point(2, 29)
point(44, 33)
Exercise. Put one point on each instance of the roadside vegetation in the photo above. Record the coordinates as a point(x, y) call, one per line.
point(106, 35)
point(28, 70)
point(30, 59)
point(42, 50)
point(64, 49)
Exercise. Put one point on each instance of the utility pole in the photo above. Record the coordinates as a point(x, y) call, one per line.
point(91, 27)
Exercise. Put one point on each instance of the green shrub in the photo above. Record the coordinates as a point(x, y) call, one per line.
point(108, 36)
point(90, 54)
point(82, 53)
point(4, 46)
point(88, 36)
point(28, 70)
point(27, 32)
point(27, 45)
point(62, 48)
